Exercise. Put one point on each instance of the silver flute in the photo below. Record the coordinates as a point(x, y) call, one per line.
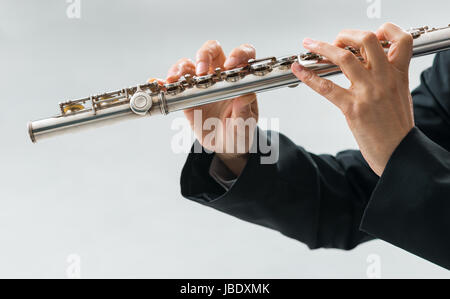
point(190, 91)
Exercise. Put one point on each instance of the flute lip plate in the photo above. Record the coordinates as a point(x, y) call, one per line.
point(30, 132)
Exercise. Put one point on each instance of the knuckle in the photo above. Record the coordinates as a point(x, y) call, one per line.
point(369, 37)
point(238, 52)
point(212, 42)
point(184, 66)
point(387, 25)
point(200, 55)
point(319, 45)
point(208, 49)
point(184, 61)
point(249, 50)
point(407, 39)
point(342, 35)
point(248, 47)
point(345, 57)
point(190, 62)
point(307, 76)
point(325, 87)
point(215, 45)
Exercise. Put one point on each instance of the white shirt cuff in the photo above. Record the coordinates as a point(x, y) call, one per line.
point(221, 174)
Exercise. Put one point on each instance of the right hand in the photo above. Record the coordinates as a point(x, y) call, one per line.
point(209, 57)
point(378, 105)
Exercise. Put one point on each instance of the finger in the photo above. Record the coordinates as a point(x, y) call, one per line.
point(336, 94)
point(346, 60)
point(160, 81)
point(400, 51)
point(242, 106)
point(209, 57)
point(180, 68)
point(366, 41)
point(255, 110)
point(240, 56)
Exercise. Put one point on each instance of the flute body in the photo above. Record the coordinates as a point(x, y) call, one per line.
point(151, 99)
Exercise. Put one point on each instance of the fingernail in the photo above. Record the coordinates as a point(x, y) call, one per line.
point(231, 62)
point(297, 67)
point(202, 68)
point(308, 42)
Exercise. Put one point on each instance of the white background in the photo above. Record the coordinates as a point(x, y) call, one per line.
point(112, 195)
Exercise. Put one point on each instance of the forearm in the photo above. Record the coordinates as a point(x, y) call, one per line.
point(318, 200)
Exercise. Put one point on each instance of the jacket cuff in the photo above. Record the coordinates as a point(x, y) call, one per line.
point(198, 185)
point(221, 174)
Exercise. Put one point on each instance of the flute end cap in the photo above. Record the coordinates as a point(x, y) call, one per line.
point(30, 132)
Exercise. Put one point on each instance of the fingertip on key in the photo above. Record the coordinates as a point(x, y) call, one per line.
point(231, 62)
point(201, 68)
point(297, 67)
point(171, 78)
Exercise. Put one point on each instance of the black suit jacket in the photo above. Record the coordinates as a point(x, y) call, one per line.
point(337, 201)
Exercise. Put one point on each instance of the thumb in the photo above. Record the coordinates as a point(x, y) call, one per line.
point(242, 106)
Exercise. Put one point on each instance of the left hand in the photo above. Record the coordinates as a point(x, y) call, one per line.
point(378, 104)
point(229, 112)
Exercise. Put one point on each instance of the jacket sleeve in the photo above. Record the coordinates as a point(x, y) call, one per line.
point(413, 194)
point(412, 200)
point(432, 101)
point(319, 199)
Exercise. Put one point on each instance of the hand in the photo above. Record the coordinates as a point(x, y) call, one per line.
point(378, 105)
point(209, 57)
